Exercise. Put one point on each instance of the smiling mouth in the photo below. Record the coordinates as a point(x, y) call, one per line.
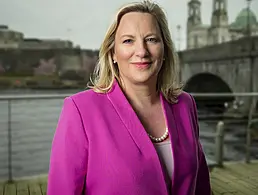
point(142, 64)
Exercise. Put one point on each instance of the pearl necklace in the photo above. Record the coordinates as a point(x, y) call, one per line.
point(159, 139)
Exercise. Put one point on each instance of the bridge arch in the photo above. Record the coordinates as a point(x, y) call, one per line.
point(209, 83)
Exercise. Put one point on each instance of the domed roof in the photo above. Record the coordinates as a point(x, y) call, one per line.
point(241, 20)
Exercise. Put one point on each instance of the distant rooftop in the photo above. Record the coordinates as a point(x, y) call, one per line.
point(245, 15)
point(4, 27)
point(32, 40)
point(24, 42)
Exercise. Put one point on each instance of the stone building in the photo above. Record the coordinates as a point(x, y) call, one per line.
point(11, 39)
point(30, 43)
point(220, 30)
point(28, 56)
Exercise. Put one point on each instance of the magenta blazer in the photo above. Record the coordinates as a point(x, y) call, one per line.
point(101, 148)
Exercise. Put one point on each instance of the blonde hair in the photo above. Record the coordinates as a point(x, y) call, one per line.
point(105, 72)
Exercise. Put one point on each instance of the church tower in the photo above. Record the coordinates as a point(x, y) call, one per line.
point(218, 32)
point(219, 13)
point(194, 18)
point(194, 13)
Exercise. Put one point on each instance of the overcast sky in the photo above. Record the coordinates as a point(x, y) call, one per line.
point(86, 21)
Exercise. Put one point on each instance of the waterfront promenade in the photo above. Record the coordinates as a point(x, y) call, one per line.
point(236, 178)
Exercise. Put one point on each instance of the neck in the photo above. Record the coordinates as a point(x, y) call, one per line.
point(141, 95)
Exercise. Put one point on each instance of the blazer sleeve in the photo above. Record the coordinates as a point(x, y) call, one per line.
point(68, 158)
point(203, 185)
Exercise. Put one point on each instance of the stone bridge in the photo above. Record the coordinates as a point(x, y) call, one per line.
point(230, 67)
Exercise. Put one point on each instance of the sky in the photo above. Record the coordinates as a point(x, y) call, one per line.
point(85, 21)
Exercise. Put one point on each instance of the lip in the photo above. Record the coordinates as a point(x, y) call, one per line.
point(141, 64)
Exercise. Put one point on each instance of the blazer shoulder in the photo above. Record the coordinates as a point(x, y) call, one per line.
point(186, 98)
point(86, 96)
point(89, 102)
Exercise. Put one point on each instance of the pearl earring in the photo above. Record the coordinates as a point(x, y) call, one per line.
point(114, 61)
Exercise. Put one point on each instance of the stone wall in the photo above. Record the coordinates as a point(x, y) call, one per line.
point(27, 61)
point(45, 44)
point(238, 49)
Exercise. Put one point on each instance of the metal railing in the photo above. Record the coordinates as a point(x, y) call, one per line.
point(11, 101)
point(27, 125)
point(243, 106)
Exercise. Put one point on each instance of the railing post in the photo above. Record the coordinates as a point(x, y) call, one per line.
point(248, 132)
point(10, 175)
point(219, 143)
point(248, 144)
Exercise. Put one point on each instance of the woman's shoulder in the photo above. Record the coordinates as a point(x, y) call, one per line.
point(186, 98)
point(87, 97)
point(82, 95)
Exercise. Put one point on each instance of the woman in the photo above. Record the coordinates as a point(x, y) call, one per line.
point(135, 132)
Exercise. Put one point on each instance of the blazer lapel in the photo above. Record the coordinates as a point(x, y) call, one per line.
point(131, 120)
point(170, 116)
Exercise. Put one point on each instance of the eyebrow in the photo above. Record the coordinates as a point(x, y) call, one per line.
point(148, 35)
point(131, 36)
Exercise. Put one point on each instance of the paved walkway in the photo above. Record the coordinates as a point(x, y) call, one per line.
point(234, 178)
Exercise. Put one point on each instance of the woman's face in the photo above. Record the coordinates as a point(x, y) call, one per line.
point(139, 48)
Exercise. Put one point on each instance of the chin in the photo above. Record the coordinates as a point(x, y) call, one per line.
point(143, 79)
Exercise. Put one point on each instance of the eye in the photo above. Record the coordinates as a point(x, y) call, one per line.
point(153, 40)
point(128, 41)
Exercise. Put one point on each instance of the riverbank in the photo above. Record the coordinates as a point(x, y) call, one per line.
point(40, 82)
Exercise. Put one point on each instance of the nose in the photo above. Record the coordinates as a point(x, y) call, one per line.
point(141, 49)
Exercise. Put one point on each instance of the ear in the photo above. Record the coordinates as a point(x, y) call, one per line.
point(114, 57)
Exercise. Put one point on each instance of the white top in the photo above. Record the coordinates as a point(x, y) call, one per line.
point(164, 152)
